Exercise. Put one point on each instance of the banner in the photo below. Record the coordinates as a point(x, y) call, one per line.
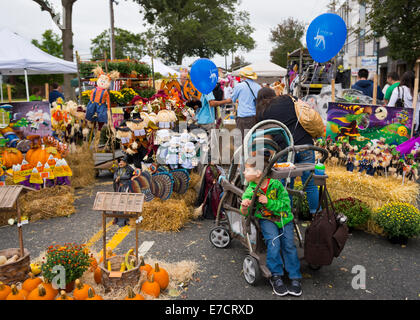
point(360, 124)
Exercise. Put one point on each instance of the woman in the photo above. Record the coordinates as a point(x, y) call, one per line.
point(402, 96)
point(282, 108)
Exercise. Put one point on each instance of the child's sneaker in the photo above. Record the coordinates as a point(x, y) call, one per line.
point(279, 287)
point(295, 289)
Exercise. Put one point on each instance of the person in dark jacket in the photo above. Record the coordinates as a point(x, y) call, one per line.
point(365, 85)
point(55, 93)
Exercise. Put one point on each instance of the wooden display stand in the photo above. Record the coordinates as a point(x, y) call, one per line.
point(17, 271)
point(126, 206)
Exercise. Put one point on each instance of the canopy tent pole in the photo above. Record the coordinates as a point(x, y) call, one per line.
point(26, 84)
point(1, 87)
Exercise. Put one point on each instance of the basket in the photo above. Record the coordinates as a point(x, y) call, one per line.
point(128, 278)
point(17, 271)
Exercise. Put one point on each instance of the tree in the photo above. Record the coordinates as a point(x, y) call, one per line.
point(66, 33)
point(50, 43)
point(127, 45)
point(197, 27)
point(398, 22)
point(286, 36)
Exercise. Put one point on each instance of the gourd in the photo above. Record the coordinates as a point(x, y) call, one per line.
point(64, 296)
point(151, 287)
point(129, 264)
point(109, 254)
point(131, 295)
point(35, 268)
point(13, 259)
point(12, 156)
point(161, 276)
point(97, 275)
point(81, 290)
point(31, 283)
point(3, 260)
point(51, 292)
point(93, 264)
point(4, 291)
point(40, 293)
point(144, 266)
point(92, 295)
point(16, 294)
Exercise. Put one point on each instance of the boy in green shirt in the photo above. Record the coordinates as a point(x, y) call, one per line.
point(276, 221)
point(394, 81)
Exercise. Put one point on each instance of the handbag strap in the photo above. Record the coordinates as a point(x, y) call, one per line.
point(250, 89)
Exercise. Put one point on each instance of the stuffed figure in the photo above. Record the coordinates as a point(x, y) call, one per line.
point(188, 158)
point(99, 107)
point(164, 119)
point(173, 150)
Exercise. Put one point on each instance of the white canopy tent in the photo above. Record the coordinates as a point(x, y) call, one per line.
point(20, 57)
point(265, 69)
point(160, 67)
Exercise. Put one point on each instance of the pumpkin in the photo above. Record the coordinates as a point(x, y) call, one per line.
point(4, 291)
point(133, 296)
point(151, 287)
point(161, 276)
point(97, 275)
point(16, 294)
point(81, 290)
point(64, 296)
point(51, 292)
point(144, 266)
point(40, 293)
point(31, 283)
point(12, 156)
point(34, 156)
point(93, 264)
point(92, 295)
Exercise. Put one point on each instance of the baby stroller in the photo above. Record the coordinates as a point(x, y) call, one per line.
point(230, 223)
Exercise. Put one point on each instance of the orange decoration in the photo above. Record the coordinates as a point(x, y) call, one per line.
point(151, 287)
point(40, 294)
point(4, 291)
point(51, 292)
point(92, 295)
point(131, 295)
point(97, 275)
point(64, 296)
point(81, 290)
point(144, 266)
point(12, 156)
point(161, 277)
point(16, 294)
point(31, 283)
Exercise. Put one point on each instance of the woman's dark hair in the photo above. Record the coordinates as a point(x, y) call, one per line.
point(265, 95)
point(407, 80)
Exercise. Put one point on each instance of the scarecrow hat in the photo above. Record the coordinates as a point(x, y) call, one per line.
point(248, 72)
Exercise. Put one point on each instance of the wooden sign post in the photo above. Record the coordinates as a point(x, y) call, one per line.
point(9, 93)
point(375, 88)
point(333, 90)
point(47, 91)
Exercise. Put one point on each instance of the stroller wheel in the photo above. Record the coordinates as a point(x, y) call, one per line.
point(314, 267)
point(220, 237)
point(251, 269)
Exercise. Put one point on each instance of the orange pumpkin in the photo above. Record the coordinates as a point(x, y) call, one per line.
point(151, 287)
point(92, 295)
point(131, 295)
point(4, 291)
point(97, 275)
point(16, 294)
point(161, 276)
point(40, 293)
point(31, 283)
point(12, 156)
point(144, 266)
point(81, 290)
point(64, 296)
point(33, 156)
point(51, 292)
point(93, 264)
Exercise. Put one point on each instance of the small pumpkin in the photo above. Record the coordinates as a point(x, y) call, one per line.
point(92, 295)
point(81, 290)
point(151, 287)
point(131, 295)
point(12, 156)
point(16, 294)
point(161, 276)
point(31, 283)
point(97, 275)
point(40, 293)
point(144, 266)
point(93, 264)
point(4, 291)
point(51, 292)
point(64, 296)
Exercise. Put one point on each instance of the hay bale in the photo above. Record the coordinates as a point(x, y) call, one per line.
point(374, 191)
point(82, 163)
point(47, 203)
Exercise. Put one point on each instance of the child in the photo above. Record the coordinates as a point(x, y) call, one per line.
point(276, 222)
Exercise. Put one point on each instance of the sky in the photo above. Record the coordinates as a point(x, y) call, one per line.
point(91, 17)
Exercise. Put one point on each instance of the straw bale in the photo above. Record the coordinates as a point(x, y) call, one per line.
point(194, 179)
point(374, 191)
point(82, 164)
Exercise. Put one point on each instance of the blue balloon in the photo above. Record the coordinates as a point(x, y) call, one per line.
point(204, 75)
point(326, 36)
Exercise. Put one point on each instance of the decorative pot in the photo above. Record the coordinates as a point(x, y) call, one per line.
point(402, 240)
point(70, 287)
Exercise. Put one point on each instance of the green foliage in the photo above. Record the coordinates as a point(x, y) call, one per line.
point(123, 67)
point(127, 44)
point(286, 37)
point(51, 43)
point(145, 92)
point(357, 212)
point(302, 202)
point(74, 258)
point(398, 21)
point(201, 28)
point(399, 219)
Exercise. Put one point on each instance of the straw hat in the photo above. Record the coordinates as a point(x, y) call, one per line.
point(248, 72)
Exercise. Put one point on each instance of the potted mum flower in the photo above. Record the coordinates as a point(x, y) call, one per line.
point(74, 258)
point(357, 212)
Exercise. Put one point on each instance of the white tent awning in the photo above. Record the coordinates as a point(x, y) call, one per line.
point(18, 54)
point(159, 66)
point(265, 69)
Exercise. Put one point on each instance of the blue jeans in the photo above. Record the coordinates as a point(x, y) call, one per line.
point(280, 241)
point(311, 189)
